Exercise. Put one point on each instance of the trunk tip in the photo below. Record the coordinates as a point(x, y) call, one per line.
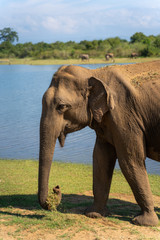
point(43, 203)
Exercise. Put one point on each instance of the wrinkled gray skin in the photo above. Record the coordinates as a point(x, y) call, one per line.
point(127, 125)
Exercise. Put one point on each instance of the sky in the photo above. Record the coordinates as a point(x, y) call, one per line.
point(77, 20)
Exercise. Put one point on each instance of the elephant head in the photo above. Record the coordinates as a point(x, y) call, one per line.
point(73, 100)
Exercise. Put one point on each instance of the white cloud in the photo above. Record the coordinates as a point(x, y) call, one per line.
point(31, 22)
point(60, 24)
point(80, 19)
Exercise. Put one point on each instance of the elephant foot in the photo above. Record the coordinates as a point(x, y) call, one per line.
point(146, 219)
point(95, 212)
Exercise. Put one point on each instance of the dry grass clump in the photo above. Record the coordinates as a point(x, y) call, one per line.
point(54, 198)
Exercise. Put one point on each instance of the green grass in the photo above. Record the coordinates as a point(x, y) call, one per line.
point(21, 177)
point(18, 194)
point(31, 61)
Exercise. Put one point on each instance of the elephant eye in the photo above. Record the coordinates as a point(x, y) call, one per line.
point(62, 107)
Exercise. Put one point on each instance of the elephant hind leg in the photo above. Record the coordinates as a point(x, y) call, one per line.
point(146, 219)
point(104, 158)
point(132, 163)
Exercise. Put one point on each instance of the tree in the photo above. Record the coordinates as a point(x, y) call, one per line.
point(114, 42)
point(8, 35)
point(138, 37)
point(157, 41)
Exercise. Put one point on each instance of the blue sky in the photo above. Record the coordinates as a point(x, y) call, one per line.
point(77, 20)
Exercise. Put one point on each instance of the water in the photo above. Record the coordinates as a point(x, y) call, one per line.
point(21, 90)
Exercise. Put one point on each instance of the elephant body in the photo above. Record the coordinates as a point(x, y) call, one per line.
point(134, 55)
point(122, 105)
point(84, 57)
point(109, 56)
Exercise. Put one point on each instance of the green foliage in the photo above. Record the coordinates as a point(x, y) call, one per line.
point(8, 35)
point(148, 51)
point(138, 37)
point(143, 45)
point(114, 42)
point(157, 42)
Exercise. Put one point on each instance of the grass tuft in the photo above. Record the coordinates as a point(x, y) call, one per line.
point(53, 201)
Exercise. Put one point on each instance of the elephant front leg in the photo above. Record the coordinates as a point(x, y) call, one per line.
point(104, 158)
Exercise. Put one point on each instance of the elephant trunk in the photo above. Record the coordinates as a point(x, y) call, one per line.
point(47, 145)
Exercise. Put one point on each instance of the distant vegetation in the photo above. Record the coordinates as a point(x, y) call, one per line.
point(145, 46)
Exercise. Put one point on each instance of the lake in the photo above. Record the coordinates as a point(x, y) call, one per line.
point(21, 91)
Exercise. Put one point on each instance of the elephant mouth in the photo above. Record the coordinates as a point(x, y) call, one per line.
point(65, 131)
point(63, 135)
point(62, 138)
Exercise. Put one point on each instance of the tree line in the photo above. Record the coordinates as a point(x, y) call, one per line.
point(142, 45)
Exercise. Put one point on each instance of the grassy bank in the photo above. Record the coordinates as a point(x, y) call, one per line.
point(19, 208)
point(30, 61)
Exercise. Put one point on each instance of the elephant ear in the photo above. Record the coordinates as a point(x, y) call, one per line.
point(100, 98)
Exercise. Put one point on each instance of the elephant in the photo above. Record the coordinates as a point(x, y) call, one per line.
point(84, 57)
point(109, 56)
point(124, 111)
point(134, 55)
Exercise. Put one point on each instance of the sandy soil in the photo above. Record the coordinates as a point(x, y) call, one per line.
point(96, 229)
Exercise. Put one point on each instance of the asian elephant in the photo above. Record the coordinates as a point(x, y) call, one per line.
point(122, 105)
point(109, 56)
point(84, 57)
point(134, 55)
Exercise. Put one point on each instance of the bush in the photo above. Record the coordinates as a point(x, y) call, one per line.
point(149, 51)
point(139, 43)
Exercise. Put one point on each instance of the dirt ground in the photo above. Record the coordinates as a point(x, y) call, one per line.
point(96, 229)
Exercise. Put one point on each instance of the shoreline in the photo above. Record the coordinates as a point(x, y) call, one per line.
point(30, 61)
